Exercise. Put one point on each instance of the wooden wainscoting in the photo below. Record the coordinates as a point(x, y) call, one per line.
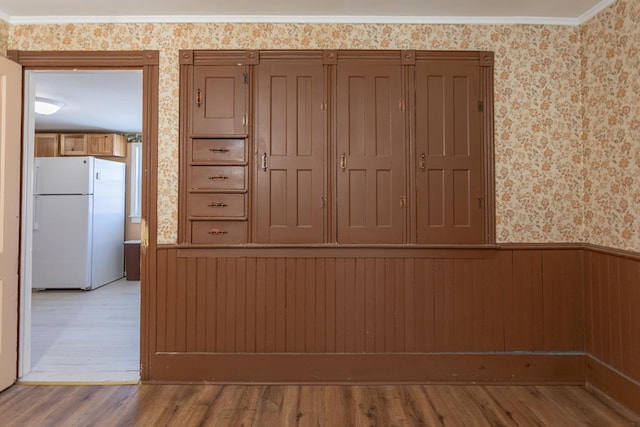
point(321, 314)
point(612, 323)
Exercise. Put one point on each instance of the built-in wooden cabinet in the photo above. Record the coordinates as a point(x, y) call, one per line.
point(107, 145)
point(215, 168)
point(336, 147)
point(291, 143)
point(47, 145)
point(450, 199)
point(73, 144)
point(371, 150)
point(219, 100)
point(80, 144)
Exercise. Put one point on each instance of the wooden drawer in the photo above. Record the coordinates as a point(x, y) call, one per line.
point(217, 204)
point(219, 232)
point(218, 150)
point(218, 178)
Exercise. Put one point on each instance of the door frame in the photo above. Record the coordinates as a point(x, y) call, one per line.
point(148, 62)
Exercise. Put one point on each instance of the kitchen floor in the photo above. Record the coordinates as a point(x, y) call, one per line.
point(86, 336)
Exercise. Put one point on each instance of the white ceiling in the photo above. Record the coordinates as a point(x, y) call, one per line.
point(99, 100)
point(568, 12)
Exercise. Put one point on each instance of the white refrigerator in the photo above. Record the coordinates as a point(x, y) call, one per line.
point(78, 222)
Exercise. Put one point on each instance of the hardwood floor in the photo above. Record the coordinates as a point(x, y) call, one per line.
point(262, 405)
point(86, 336)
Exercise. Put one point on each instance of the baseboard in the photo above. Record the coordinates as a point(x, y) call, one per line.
point(482, 368)
point(613, 384)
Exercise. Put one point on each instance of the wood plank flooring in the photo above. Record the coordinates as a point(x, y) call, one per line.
point(263, 405)
point(86, 336)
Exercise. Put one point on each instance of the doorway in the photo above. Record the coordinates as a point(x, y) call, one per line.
point(85, 317)
point(145, 64)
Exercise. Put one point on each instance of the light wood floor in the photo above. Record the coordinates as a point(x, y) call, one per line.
point(211, 405)
point(86, 336)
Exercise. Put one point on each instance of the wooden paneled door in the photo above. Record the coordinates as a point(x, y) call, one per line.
point(10, 122)
point(291, 146)
point(449, 167)
point(371, 181)
point(218, 100)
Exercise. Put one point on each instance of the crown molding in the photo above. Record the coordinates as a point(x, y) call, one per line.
point(319, 19)
point(594, 11)
point(323, 19)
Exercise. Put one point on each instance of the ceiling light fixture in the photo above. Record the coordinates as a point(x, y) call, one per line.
point(47, 106)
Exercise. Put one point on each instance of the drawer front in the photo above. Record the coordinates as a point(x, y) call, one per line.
point(219, 232)
point(218, 150)
point(217, 177)
point(217, 204)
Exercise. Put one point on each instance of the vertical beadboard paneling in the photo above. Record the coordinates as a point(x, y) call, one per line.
point(563, 287)
point(513, 300)
point(612, 317)
point(160, 313)
point(632, 346)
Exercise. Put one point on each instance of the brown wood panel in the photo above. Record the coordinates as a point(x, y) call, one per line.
point(218, 100)
point(370, 156)
point(370, 368)
point(313, 303)
point(612, 319)
point(632, 346)
point(310, 300)
point(450, 204)
point(613, 384)
point(291, 146)
point(519, 332)
point(182, 308)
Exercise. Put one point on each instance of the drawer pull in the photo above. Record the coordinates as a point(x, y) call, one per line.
point(217, 205)
point(198, 98)
point(217, 231)
point(218, 177)
point(218, 150)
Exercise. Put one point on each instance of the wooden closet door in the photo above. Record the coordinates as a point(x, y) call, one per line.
point(291, 152)
point(219, 100)
point(449, 199)
point(370, 153)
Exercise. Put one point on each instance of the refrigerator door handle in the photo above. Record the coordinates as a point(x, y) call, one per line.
point(35, 212)
point(35, 177)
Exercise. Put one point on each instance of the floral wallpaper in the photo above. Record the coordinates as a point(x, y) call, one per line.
point(538, 145)
point(611, 126)
point(4, 36)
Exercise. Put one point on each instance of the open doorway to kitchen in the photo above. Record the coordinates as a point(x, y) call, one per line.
point(80, 320)
point(85, 311)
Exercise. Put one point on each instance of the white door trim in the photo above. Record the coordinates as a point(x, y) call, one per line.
point(24, 349)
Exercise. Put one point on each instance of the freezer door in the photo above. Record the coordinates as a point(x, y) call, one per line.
point(62, 241)
point(64, 175)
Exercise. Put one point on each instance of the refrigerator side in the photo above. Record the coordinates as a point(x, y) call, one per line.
point(108, 222)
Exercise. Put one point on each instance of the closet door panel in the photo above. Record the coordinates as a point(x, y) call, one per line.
point(291, 152)
point(370, 153)
point(449, 198)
